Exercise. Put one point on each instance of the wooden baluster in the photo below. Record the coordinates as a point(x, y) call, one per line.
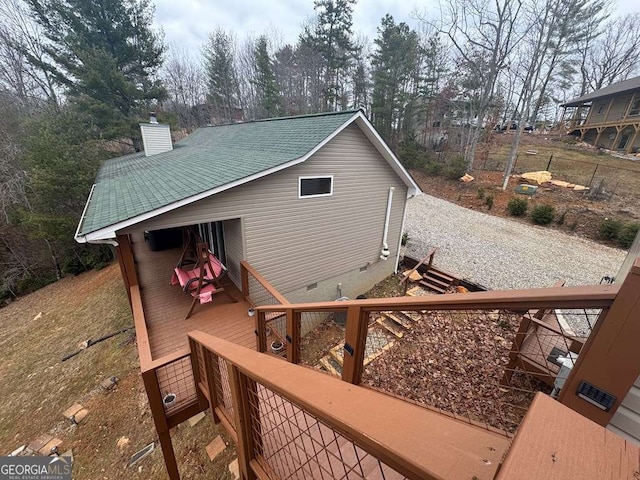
point(261, 331)
point(244, 276)
point(293, 335)
point(241, 388)
point(197, 378)
point(210, 368)
point(354, 346)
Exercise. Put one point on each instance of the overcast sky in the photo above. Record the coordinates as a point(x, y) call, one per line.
point(188, 22)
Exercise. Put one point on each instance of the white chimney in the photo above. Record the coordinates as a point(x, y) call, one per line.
point(156, 137)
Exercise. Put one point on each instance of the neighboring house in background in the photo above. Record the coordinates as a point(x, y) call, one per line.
point(309, 201)
point(607, 118)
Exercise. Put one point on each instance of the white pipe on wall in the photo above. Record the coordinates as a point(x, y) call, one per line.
point(384, 254)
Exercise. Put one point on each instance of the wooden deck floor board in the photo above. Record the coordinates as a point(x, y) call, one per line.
point(165, 305)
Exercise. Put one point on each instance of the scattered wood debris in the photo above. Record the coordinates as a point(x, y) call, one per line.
point(216, 447)
point(45, 444)
point(109, 383)
point(538, 177)
point(234, 469)
point(466, 178)
point(75, 413)
point(193, 421)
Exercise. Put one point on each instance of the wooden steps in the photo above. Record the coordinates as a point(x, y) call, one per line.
point(437, 280)
point(429, 277)
point(391, 327)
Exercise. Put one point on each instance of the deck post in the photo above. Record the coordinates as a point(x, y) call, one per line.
point(293, 335)
point(160, 420)
point(239, 385)
point(123, 271)
point(128, 261)
point(197, 378)
point(609, 359)
point(211, 366)
point(355, 340)
point(244, 279)
point(261, 332)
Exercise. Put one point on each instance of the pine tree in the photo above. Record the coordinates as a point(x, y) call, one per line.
point(220, 73)
point(394, 66)
point(106, 55)
point(267, 89)
point(332, 38)
point(360, 78)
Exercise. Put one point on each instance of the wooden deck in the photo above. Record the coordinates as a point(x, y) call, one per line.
point(166, 305)
point(556, 443)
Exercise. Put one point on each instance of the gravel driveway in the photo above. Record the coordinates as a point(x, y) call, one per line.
point(500, 253)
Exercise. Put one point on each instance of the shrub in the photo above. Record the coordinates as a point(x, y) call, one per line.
point(410, 151)
point(517, 206)
point(405, 239)
point(455, 167)
point(433, 167)
point(480, 193)
point(30, 283)
point(628, 234)
point(488, 200)
point(610, 228)
point(543, 214)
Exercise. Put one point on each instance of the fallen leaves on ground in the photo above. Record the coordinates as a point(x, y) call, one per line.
point(454, 361)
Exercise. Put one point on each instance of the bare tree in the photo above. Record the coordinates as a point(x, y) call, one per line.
point(574, 22)
point(245, 66)
point(22, 53)
point(555, 29)
point(612, 57)
point(182, 76)
point(483, 34)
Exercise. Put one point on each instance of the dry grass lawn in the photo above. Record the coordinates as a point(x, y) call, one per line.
point(40, 386)
point(571, 162)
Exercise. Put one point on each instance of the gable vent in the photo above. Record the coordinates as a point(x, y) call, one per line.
point(156, 138)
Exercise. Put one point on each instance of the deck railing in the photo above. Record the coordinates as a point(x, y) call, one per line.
point(256, 289)
point(428, 258)
point(462, 354)
point(292, 422)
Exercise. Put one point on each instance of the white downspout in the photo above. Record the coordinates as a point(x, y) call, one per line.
point(384, 254)
point(404, 216)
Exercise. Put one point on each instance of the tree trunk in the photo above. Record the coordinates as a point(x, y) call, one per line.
point(513, 155)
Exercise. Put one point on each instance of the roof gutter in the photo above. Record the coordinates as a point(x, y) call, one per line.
point(78, 238)
point(83, 238)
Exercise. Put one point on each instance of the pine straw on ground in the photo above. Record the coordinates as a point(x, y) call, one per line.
point(40, 386)
point(454, 361)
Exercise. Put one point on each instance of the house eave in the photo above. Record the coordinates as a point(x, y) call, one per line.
point(108, 234)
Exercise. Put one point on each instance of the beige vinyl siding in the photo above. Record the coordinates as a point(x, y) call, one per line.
point(296, 242)
point(626, 421)
point(234, 248)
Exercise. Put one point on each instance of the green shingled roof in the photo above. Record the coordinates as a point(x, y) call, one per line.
point(209, 158)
